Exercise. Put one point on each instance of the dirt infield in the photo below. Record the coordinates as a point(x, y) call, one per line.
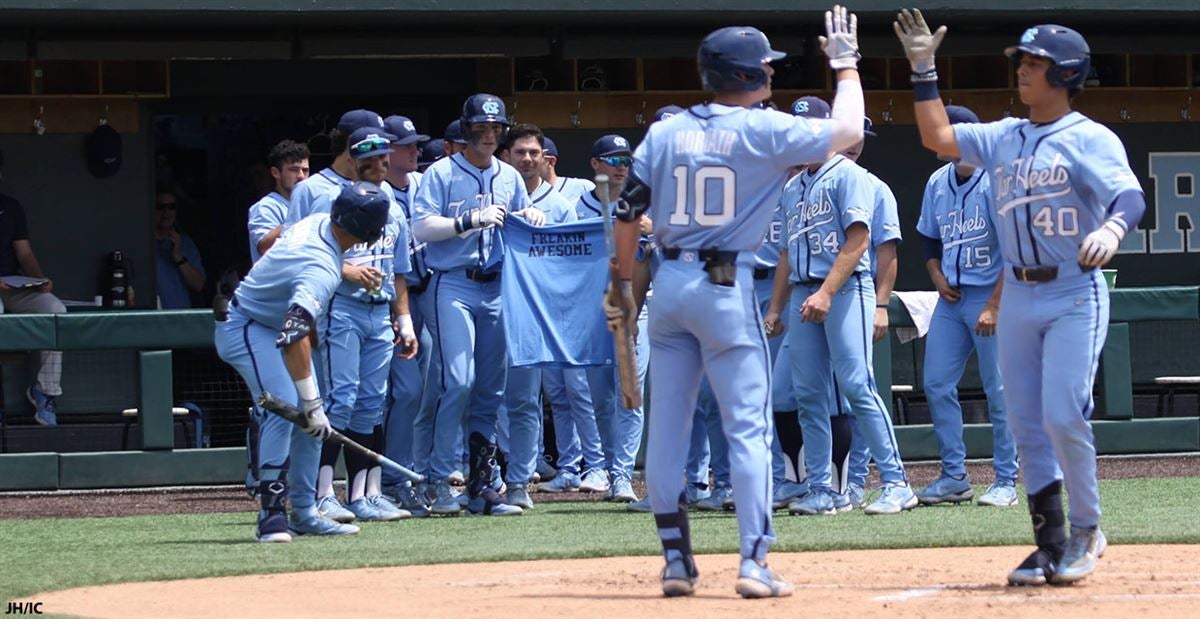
point(18, 505)
point(951, 582)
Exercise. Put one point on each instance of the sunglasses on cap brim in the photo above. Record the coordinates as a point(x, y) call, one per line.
point(370, 145)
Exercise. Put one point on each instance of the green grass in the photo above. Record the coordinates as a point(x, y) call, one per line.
point(50, 554)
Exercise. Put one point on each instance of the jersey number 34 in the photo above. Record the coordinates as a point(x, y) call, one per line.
point(727, 180)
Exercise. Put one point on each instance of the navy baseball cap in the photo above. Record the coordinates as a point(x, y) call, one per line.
point(810, 107)
point(404, 130)
point(666, 112)
point(959, 114)
point(867, 124)
point(355, 119)
point(454, 133)
point(431, 151)
point(370, 142)
point(549, 148)
point(611, 145)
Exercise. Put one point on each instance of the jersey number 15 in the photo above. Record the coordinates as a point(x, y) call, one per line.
point(699, 181)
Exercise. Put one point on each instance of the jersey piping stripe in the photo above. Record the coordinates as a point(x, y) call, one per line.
point(1028, 206)
point(808, 184)
point(437, 406)
point(768, 416)
point(477, 175)
point(1094, 354)
point(880, 407)
point(951, 178)
point(250, 351)
point(328, 347)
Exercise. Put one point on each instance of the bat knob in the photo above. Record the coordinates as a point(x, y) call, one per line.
point(601, 178)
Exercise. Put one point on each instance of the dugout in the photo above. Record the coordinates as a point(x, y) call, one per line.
point(205, 88)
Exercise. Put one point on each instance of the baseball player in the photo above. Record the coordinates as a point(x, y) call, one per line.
point(458, 212)
point(324, 186)
point(407, 376)
point(431, 151)
point(1063, 198)
point(356, 337)
point(454, 141)
point(522, 412)
point(268, 340)
point(724, 160)
point(288, 163)
point(830, 209)
point(962, 255)
point(571, 188)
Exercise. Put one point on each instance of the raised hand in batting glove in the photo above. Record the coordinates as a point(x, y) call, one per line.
point(1101, 245)
point(316, 423)
point(533, 215)
point(919, 43)
point(840, 42)
point(619, 307)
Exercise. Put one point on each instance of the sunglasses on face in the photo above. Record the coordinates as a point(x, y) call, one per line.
point(369, 145)
point(617, 162)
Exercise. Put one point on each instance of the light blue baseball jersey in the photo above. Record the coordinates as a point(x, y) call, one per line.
point(416, 251)
point(1048, 194)
point(314, 194)
point(767, 256)
point(960, 216)
point(715, 170)
point(451, 187)
point(553, 203)
point(820, 206)
point(303, 268)
point(389, 254)
point(885, 223)
point(264, 216)
point(572, 188)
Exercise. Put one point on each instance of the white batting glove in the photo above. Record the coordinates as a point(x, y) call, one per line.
point(533, 215)
point(488, 216)
point(1101, 245)
point(919, 43)
point(841, 41)
point(316, 423)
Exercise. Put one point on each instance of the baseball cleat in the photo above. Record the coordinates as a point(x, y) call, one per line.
point(841, 502)
point(445, 503)
point(642, 506)
point(1084, 549)
point(272, 528)
point(694, 493)
point(857, 495)
point(518, 494)
point(488, 503)
point(386, 506)
point(594, 480)
point(544, 472)
point(818, 502)
point(946, 489)
point(715, 502)
point(680, 577)
point(1033, 571)
point(565, 481)
point(1002, 493)
point(45, 412)
point(329, 507)
point(893, 500)
point(787, 491)
point(621, 491)
point(760, 581)
point(306, 521)
point(407, 498)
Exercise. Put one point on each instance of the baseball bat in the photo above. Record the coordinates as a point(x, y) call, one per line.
point(624, 339)
point(271, 403)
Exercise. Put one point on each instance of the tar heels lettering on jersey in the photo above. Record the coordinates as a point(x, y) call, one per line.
point(554, 277)
point(959, 214)
point(389, 254)
point(451, 187)
point(1048, 193)
point(715, 172)
point(820, 206)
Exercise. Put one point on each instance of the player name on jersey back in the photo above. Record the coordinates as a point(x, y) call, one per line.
point(713, 141)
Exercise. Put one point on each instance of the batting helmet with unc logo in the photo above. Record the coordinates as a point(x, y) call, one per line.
point(362, 210)
point(484, 108)
point(731, 59)
point(1065, 48)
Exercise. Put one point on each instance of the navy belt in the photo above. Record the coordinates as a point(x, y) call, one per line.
point(480, 276)
point(763, 272)
point(710, 255)
point(1035, 274)
point(811, 282)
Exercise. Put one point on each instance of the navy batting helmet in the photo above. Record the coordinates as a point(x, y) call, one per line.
point(1064, 47)
point(362, 210)
point(731, 59)
point(484, 108)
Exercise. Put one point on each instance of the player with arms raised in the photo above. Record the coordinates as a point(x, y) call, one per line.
point(710, 178)
point(1064, 197)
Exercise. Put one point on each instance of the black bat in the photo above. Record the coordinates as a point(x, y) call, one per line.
point(275, 405)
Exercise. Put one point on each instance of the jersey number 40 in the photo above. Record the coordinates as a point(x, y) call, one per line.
point(699, 181)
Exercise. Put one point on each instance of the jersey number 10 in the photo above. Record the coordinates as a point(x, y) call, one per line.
point(715, 174)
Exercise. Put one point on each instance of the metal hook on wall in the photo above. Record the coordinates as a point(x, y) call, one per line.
point(39, 125)
point(1008, 110)
point(512, 115)
point(639, 119)
point(1125, 114)
point(104, 117)
point(886, 115)
point(1185, 113)
point(574, 116)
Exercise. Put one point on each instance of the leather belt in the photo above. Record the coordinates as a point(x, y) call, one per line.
point(480, 276)
point(1035, 274)
point(713, 256)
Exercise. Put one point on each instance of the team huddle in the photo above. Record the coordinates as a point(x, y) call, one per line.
point(755, 259)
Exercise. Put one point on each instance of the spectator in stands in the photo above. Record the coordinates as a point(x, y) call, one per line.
point(180, 273)
point(17, 258)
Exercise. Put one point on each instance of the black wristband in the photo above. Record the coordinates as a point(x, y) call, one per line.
point(463, 222)
point(881, 305)
point(925, 86)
